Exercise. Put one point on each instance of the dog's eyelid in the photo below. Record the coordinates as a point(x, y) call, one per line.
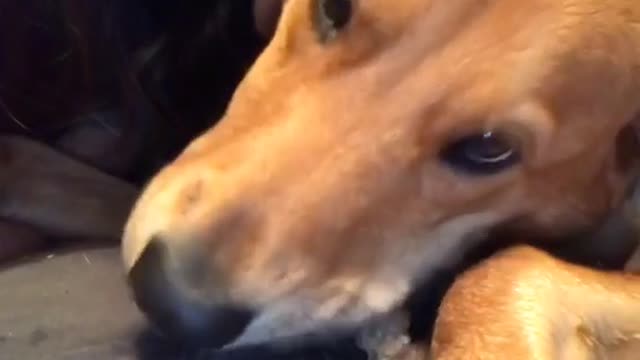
point(518, 135)
point(531, 121)
point(483, 152)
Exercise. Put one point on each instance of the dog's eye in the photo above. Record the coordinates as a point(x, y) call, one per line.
point(481, 154)
point(330, 16)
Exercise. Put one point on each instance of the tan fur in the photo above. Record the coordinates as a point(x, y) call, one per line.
point(321, 191)
point(524, 304)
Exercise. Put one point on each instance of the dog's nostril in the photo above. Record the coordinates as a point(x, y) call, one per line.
point(181, 314)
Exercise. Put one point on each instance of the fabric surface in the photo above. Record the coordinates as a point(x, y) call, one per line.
point(67, 307)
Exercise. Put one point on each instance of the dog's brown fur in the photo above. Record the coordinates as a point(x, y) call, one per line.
point(321, 189)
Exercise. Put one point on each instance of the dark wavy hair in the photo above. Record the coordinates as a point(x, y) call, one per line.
point(169, 66)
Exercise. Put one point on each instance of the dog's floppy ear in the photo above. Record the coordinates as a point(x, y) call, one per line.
point(266, 14)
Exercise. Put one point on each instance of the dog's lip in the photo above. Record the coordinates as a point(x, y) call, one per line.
point(312, 336)
point(310, 348)
point(292, 341)
point(393, 323)
point(363, 341)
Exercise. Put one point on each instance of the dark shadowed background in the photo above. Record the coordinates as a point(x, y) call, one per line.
point(160, 72)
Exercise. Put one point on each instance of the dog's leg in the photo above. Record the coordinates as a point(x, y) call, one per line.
point(59, 196)
point(525, 304)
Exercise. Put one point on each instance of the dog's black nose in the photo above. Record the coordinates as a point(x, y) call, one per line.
point(184, 315)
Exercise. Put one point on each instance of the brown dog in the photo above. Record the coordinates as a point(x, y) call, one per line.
point(367, 147)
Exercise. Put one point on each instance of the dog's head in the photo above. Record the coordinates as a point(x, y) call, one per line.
point(369, 143)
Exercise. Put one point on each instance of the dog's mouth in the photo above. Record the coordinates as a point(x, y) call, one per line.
point(150, 345)
point(282, 325)
point(312, 348)
point(281, 332)
point(343, 344)
point(381, 337)
point(289, 330)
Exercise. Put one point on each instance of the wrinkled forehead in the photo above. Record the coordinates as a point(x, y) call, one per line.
point(516, 44)
point(417, 29)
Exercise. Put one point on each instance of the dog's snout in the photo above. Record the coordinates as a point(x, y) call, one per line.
point(173, 304)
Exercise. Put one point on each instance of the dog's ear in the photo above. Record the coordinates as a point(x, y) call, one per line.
point(266, 14)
